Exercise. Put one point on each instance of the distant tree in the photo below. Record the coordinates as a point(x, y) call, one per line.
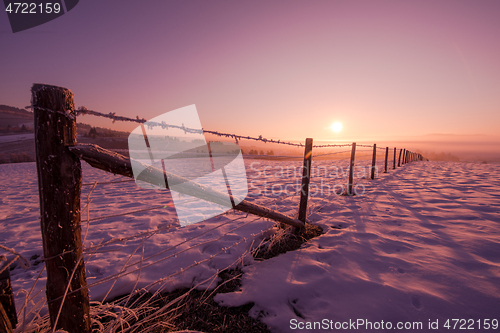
point(253, 152)
point(92, 132)
point(270, 152)
point(261, 152)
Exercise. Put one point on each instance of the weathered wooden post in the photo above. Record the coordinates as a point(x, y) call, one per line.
point(386, 157)
point(8, 317)
point(394, 160)
point(351, 169)
point(404, 156)
point(374, 160)
point(59, 185)
point(399, 159)
point(306, 177)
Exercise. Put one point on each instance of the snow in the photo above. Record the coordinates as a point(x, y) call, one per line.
point(422, 243)
point(16, 137)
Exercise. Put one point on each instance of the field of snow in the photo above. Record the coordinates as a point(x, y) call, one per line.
point(16, 137)
point(419, 244)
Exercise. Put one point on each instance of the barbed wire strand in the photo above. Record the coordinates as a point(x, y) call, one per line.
point(112, 115)
point(119, 275)
point(22, 260)
point(188, 240)
point(111, 182)
point(161, 310)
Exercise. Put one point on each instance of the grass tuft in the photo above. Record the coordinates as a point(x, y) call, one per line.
point(286, 238)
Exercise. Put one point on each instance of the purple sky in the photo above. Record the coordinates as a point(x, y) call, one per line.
point(281, 69)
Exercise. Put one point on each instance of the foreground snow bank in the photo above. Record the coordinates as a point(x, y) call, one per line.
point(422, 243)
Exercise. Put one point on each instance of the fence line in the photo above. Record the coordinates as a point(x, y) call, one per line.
point(55, 118)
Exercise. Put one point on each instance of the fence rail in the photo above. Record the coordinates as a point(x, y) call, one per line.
point(60, 181)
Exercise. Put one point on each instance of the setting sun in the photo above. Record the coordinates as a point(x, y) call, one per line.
point(336, 127)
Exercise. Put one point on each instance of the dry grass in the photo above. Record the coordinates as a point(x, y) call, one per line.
point(285, 239)
point(191, 309)
point(184, 309)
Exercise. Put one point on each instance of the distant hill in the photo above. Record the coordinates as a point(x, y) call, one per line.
point(16, 117)
point(14, 110)
point(12, 116)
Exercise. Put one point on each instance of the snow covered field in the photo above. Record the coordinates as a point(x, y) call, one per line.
point(422, 243)
point(16, 137)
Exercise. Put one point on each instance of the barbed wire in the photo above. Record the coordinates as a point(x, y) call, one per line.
point(111, 182)
point(128, 213)
point(125, 270)
point(151, 124)
point(182, 270)
point(339, 152)
point(112, 115)
point(17, 256)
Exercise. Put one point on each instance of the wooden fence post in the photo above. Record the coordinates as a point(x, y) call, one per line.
point(8, 317)
point(59, 185)
point(399, 160)
point(386, 157)
point(404, 156)
point(306, 177)
point(351, 170)
point(394, 160)
point(374, 160)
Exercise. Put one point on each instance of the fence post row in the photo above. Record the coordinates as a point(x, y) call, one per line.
point(374, 159)
point(59, 184)
point(306, 176)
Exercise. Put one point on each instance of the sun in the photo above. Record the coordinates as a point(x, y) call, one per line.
point(336, 127)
